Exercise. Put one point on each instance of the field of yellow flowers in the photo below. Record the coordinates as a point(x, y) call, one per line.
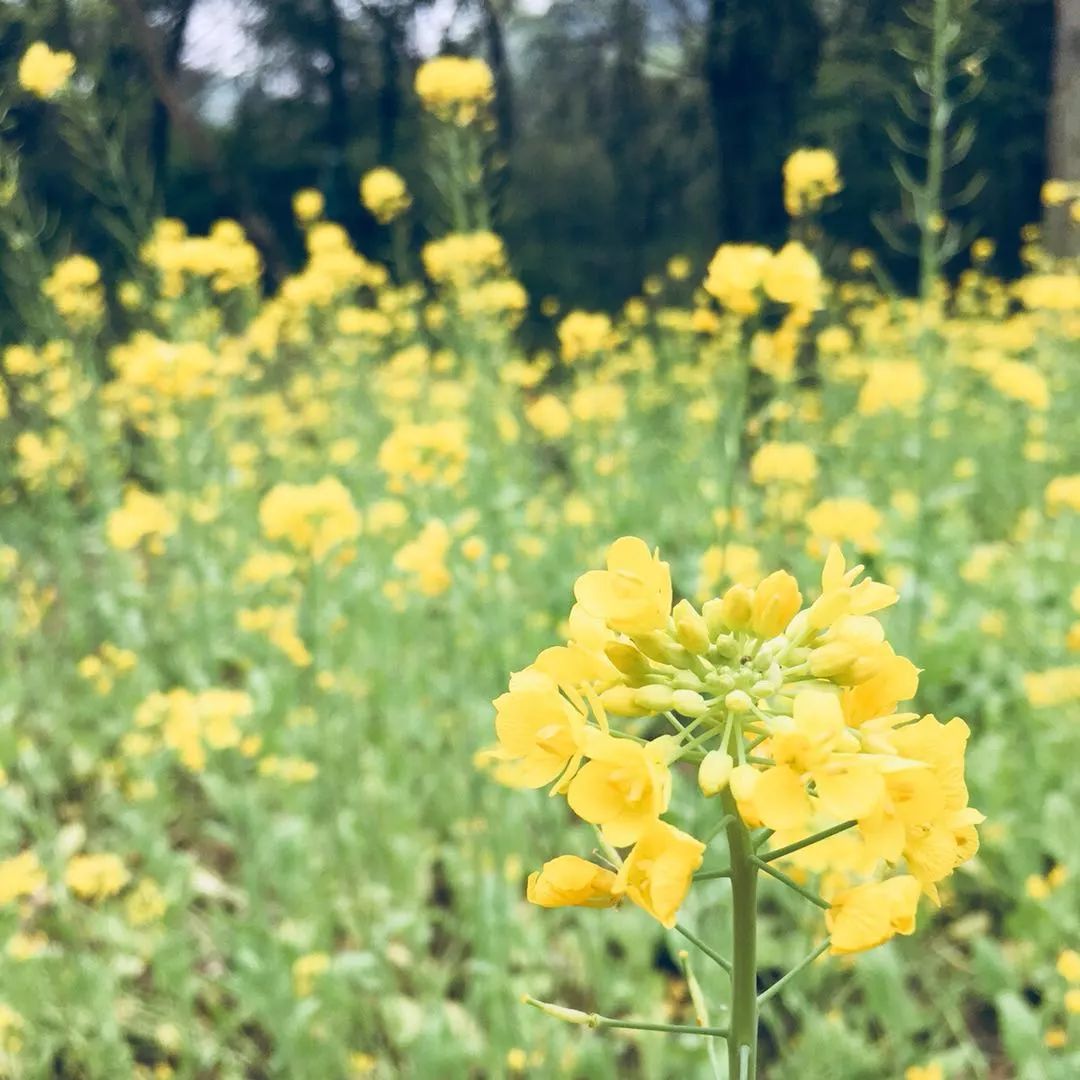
point(266, 559)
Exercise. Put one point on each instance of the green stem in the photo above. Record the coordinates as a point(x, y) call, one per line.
point(929, 249)
point(713, 875)
point(804, 963)
point(708, 950)
point(742, 1042)
point(780, 876)
point(639, 1025)
point(594, 1020)
point(789, 849)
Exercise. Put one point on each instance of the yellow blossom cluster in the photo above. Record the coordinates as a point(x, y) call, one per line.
point(740, 275)
point(383, 192)
point(314, 519)
point(455, 88)
point(584, 334)
point(45, 73)
point(810, 177)
point(141, 516)
point(224, 257)
point(189, 723)
point(20, 875)
point(74, 287)
point(800, 704)
point(96, 877)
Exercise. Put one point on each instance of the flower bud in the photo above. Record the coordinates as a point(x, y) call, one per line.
point(738, 701)
point(628, 660)
point(714, 772)
point(727, 646)
point(658, 646)
point(713, 613)
point(654, 699)
point(776, 601)
point(561, 1012)
point(691, 630)
point(737, 607)
point(619, 701)
point(689, 703)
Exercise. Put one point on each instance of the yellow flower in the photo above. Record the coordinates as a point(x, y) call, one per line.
point(869, 915)
point(814, 745)
point(96, 877)
point(305, 970)
point(1054, 192)
point(141, 516)
point(843, 594)
point(623, 788)
point(20, 876)
point(384, 193)
point(455, 88)
point(783, 463)
point(569, 881)
point(776, 600)
point(549, 416)
point(43, 72)
point(633, 595)
point(313, 518)
point(933, 1071)
point(658, 871)
point(792, 276)
point(583, 334)
point(308, 205)
point(541, 735)
point(734, 276)
point(810, 176)
point(845, 519)
point(891, 384)
point(1068, 965)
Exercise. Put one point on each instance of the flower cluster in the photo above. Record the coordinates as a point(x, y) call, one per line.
point(455, 88)
point(74, 287)
point(312, 518)
point(789, 712)
point(45, 73)
point(740, 274)
point(810, 177)
point(384, 193)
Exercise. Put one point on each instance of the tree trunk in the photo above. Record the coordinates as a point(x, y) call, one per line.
point(1063, 130)
point(159, 124)
point(342, 197)
point(628, 121)
point(391, 50)
point(202, 147)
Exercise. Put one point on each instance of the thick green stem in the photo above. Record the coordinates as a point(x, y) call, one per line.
point(743, 1032)
point(929, 224)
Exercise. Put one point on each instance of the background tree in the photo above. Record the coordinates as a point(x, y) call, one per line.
point(624, 131)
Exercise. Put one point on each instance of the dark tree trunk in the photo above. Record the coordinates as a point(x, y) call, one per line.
point(1063, 129)
point(391, 49)
point(759, 66)
point(172, 50)
point(624, 141)
point(342, 199)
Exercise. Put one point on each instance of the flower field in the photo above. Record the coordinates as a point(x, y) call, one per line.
point(268, 555)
